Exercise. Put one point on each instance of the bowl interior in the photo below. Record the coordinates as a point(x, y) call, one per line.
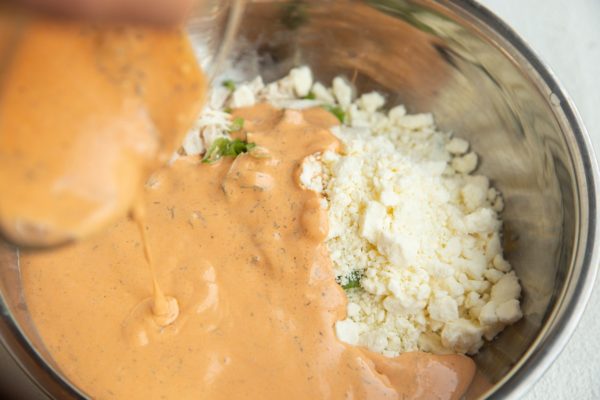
point(432, 57)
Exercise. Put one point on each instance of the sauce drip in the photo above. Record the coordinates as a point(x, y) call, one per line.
point(164, 308)
point(240, 246)
point(85, 112)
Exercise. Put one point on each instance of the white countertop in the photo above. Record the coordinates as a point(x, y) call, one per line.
point(566, 35)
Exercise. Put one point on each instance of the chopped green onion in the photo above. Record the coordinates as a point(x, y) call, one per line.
point(228, 110)
point(237, 124)
point(229, 84)
point(222, 147)
point(237, 147)
point(215, 151)
point(337, 111)
point(353, 281)
point(309, 96)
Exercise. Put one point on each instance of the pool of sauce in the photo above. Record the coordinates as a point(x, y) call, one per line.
point(239, 245)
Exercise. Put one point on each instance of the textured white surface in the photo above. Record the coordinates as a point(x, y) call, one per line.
point(566, 35)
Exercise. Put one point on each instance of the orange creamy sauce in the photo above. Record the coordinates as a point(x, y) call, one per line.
point(85, 111)
point(239, 300)
point(239, 245)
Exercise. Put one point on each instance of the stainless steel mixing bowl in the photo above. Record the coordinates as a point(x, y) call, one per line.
point(480, 80)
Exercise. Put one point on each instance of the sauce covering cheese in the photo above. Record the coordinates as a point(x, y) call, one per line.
point(220, 285)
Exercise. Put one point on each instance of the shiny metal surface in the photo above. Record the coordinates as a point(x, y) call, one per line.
point(480, 80)
point(212, 28)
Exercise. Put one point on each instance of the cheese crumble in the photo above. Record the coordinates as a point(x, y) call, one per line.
point(414, 237)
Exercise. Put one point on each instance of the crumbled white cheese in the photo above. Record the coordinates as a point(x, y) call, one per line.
point(302, 78)
point(509, 312)
point(507, 288)
point(342, 91)
point(322, 93)
point(500, 263)
point(426, 242)
point(211, 125)
point(311, 173)
point(475, 193)
point(256, 85)
point(405, 215)
point(192, 144)
point(243, 96)
point(396, 113)
point(465, 164)
point(371, 102)
point(457, 146)
point(443, 308)
point(347, 331)
point(371, 221)
point(462, 336)
point(416, 121)
point(217, 97)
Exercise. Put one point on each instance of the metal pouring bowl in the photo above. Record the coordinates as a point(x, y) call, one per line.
point(459, 61)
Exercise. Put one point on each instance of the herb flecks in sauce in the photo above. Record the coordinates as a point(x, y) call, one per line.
point(223, 147)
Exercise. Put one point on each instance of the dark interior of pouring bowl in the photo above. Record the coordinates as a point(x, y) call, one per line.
point(428, 60)
point(436, 61)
